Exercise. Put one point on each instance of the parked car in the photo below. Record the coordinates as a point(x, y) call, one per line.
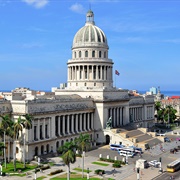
point(166, 139)
point(178, 139)
point(160, 134)
point(154, 163)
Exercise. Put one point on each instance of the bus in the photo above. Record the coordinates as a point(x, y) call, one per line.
point(116, 147)
point(173, 166)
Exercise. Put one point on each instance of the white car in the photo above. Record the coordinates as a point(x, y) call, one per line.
point(154, 163)
point(160, 134)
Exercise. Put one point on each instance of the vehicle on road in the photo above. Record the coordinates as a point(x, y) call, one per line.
point(126, 153)
point(174, 166)
point(166, 139)
point(178, 139)
point(154, 163)
point(136, 149)
point(160, 134)
point(116, 147)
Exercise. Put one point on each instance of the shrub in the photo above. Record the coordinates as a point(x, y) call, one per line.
point(111, 160)
point(117, 164)
point(56, 172)
point(99, 171)
point(45, 167)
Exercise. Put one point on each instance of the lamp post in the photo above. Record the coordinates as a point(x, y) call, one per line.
point(87, 173)
point(138, 169)
point(0, 168)
point(83, 154)
point(160, 166)
point(35, 175)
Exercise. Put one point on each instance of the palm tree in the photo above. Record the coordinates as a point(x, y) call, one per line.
point(68, 155)
point(27, 124)
point(5, 123)
point(83, 143)
point(1, 148)
point(18, 126)
point(157, 108)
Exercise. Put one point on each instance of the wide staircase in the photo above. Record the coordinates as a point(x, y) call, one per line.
point(139, 137)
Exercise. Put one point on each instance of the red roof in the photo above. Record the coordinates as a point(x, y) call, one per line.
point(175, 97)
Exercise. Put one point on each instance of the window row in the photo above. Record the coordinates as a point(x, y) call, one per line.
point(90, 54)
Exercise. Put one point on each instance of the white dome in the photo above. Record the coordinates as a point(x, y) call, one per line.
point(90, 35)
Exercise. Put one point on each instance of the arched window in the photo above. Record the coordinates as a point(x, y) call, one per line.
point(86, 53)
point(99, 53)
point(104, 54)
point(74, 54)
point(93, 53)
point(79, 53)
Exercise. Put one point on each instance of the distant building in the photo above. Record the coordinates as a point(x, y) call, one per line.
point(153, 90)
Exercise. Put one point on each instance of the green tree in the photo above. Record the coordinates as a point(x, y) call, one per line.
point(27, 124)
point(157, 108)
point(68, 155)
point(5, 123)
point(1, 148)
point(170, 114)
point(18, 126)
point(83, 142)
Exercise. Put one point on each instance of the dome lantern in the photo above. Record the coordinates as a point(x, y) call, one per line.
point(90, 17)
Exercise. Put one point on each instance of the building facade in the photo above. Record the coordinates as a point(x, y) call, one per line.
point(84, 106)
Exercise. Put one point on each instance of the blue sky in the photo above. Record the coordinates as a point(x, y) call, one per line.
point(36, 38)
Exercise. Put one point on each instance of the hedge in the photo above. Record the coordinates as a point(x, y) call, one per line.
point(56, 172)
point(99, 171)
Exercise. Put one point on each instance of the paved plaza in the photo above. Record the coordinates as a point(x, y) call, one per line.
point(126, 172)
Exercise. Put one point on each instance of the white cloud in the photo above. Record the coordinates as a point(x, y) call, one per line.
point(31, 45)
point(78, 8)
point(175, 41)
point(37, 3)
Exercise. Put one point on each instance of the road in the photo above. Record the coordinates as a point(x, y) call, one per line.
point(166, 176)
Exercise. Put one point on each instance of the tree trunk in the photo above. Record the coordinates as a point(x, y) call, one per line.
point(68, 172)
point(14, 154)
point(5, 150)
point(9, 150)
point(24, 151)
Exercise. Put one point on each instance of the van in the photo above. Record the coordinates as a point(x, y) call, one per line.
point(126, 153)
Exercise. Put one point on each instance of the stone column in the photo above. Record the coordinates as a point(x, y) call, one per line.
point(114, 118)
point(77, 123)
point(81, 123)
point(96, 72)
point(63, 122)
point(92, 72)
point(44, 128)
point(88, 120)
point(59, 125)
point(38, 128)
point(101, 73)
point(92, 121)
point(118, 123)
point(72, 123)
point(75, 70)
point(105, 73)
point(88, 72)
point(49, 128)
point(83, 73)
point(68, 124)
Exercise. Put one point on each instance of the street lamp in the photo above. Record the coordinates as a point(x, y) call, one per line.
point(83, 155)
point(138, 169)
point(35, 175)
point(87, 173)
point(0, 168)
point(160, 166)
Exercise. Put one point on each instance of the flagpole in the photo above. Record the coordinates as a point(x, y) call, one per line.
point(115, 80)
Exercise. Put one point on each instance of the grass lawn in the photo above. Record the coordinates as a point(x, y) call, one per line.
point(42, 177)
point(19, 166)
point(79, 169)
point(73, 177)
point(101, 164)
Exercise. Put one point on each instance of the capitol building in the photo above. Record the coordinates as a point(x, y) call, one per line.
point(83, 105)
